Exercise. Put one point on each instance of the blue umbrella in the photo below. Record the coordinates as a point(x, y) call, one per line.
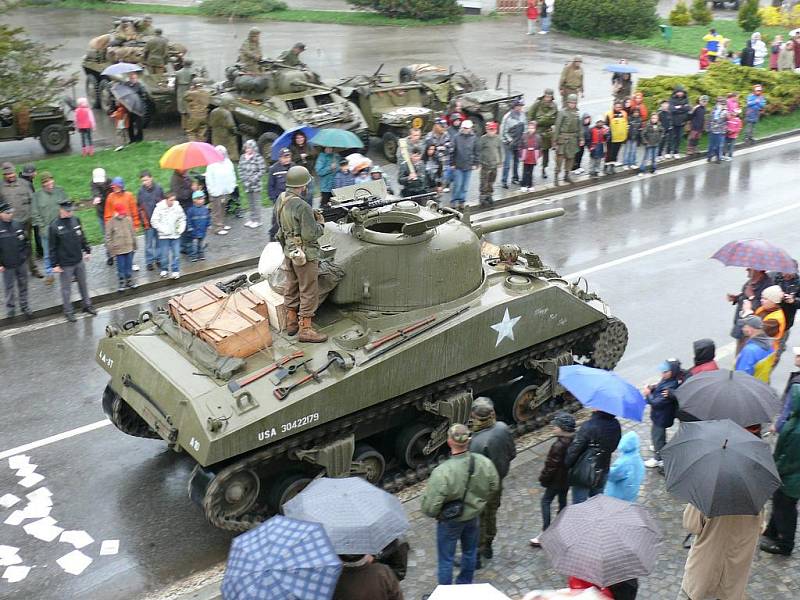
point(620, 68)
point(337, 138)
point(121, 68)
point(282, 559)
point(603, 390)
point(285, 139)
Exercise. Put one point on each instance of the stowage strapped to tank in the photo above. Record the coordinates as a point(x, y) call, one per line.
point(420, 320)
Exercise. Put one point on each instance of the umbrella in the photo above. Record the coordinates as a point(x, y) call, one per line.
point(620, 68)
point(603, 540)
point(189, 155)
point(603, 390)
point(121, 68)
point(358, 517)
point(285, 139)
point(357, 162)
point(336, 138)
point(127, 96)
point(475, 591)
point(724, 394)
point(720, 468)
point(755, 254)
point(282, 559)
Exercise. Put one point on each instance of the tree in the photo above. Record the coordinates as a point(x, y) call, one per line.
point(423, 10)
point(679, 16)
point(749, 19)
point(29, 74)
point(593, 18)
point(701, 14)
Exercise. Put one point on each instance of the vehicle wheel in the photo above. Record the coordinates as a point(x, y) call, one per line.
point(92, 90)
point(610, 345)
point(265, 141)
point(105, 95)
point(373, 461)
point(124, 417)
point(149, 112)
point(521, 396)
point(238, 494)
point(410, 442)
point(285, 488)
point(390, 146)
point(54, 138)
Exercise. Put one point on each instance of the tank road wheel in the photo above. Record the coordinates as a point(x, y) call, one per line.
point(238, 494)
point(92, 90)
point(265, 141)
point(522, 394)
point(410, 442)
point(610, 345)
point(106, 98)
point(390, 146)
point(124, 417)
point(373, 460)
point(54, 138)
point(285, 488)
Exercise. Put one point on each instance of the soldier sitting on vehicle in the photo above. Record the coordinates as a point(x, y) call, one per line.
point(291, 57)
point(250, 52)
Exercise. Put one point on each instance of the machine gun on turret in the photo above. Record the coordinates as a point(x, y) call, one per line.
point(364, 204)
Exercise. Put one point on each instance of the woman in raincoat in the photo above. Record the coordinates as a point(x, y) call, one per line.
point(627, 473)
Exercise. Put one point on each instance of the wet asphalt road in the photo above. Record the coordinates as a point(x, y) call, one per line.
point(116, 487)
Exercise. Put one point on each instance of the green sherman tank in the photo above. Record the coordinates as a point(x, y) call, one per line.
point(419, 322)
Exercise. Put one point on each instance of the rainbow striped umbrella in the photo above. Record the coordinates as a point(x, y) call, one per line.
point(189, 155)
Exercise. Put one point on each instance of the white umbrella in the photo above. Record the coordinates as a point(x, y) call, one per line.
point(477, 591)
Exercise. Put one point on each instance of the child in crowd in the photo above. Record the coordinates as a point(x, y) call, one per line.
point(586, 136)
point(169, 221)
point(121, 244)
point(663, 407)
point(627, 473)
point(85, 124)
point(597, 149)
point(652, 136)
point(665, 119)
point(732, 103)
point(554, 475)
point(530, 152)
point(734, 126)
point(197, 222)
point(120, 117)
point(343, 176)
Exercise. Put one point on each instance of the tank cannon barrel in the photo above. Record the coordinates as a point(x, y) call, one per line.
point(515, 221)
point(300, 84)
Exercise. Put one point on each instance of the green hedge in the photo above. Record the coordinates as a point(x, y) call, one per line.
point(423, 10)
point(782, 89)
point(601, 18)
point(240, 8)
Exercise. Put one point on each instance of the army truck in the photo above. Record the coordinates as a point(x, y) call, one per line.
point(418, 322)
point(443, 88)
point(390, 109)
point(47, 123)
point(280, 98)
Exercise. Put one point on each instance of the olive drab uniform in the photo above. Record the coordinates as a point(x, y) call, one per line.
point(250, 54)
point(567, 136)
point(571, 82)
point(197, 100)
point(156, 54)
point(223, 131)
point(183, 81)
point(544, 113)
point(290, 59)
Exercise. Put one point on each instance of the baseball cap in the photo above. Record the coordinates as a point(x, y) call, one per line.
point(118, 181)
point(198, 194)
point(456, 117)
point(29, 169)
point(285, 152)
point(491, 125)
point(518, 102)
point(752, 321)
point(98, 175)
point(66, 204)
point(796, 350)
point(467, 124)
point(46, 176)
point(441, 121)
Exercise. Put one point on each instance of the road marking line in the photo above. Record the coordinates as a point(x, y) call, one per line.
point(55, 438)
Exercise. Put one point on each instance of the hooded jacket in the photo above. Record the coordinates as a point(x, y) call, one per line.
point(168, 221)
point(602, 429)
point(679, 106)
point(555, 473)
point(627, 473)
point(787, 450)
point(663, 409)
point(704, 352)
point(756, 357)
point(120, 236)
point(326, 166)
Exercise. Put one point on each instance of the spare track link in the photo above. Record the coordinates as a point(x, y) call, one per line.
point(214, 492)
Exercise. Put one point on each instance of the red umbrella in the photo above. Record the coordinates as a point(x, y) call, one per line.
point(756, 254)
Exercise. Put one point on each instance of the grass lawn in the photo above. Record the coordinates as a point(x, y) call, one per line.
point(295, 16)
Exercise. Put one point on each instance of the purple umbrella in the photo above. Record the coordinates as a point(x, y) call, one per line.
point(755, 254)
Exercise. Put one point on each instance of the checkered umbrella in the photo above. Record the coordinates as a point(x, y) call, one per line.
point(755, 254)
point(358, 517)
point(282, 559)
point(603, 540)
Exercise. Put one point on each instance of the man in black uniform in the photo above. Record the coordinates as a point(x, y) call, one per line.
point(14, 250)
point(68, 251)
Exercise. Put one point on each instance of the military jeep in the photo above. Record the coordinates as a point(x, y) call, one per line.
point(48, 123)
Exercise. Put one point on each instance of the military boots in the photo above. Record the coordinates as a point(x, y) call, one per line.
point(308, 334)
point(292, 324)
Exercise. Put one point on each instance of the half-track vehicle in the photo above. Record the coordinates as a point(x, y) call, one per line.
point(419, 322)
point(390, 109)
point(442, 88)
point(283, 97)
point(47, 123)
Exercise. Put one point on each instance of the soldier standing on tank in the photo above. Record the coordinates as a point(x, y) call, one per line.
point(568, 135)
point(291, 57)
point(544, 111)
point(183, 81)
point(571, 80)
point(250, 52)
point(14, 251)
point(223, 127)
point(196, 122)
point(156, 53)
point(494, 440)
point(300, 229)
point(19, 195)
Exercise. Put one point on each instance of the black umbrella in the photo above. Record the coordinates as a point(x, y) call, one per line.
point(128, 97)
point(720, 468)
point(730, 395)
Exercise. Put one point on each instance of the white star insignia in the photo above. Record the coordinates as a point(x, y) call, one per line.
point(505, 328)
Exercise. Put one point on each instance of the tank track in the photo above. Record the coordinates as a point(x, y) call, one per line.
point(214, 493)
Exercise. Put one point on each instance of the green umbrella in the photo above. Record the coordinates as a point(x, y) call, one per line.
point(336, 138)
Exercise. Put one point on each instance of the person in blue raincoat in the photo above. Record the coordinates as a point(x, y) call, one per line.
point(326, 166)
point(627, 473)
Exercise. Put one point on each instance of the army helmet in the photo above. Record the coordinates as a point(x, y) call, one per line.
point(572, 98)
point(298, 177)
point(254, 32)
point(549, 92)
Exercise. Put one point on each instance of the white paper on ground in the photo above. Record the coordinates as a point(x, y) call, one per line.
point(26, 470)
point(44, 529)
point(18, 461)
point(109, 547)
point(8, 500)
point(15, 518)
point(42, 495)
point(75, 562)
point(16, 573)
point(8, 551)
point(31, 480)
point(77, 538)
point(36, 510)
point(7, 561)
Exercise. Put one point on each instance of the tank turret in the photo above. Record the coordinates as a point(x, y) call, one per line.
point(275, 80)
